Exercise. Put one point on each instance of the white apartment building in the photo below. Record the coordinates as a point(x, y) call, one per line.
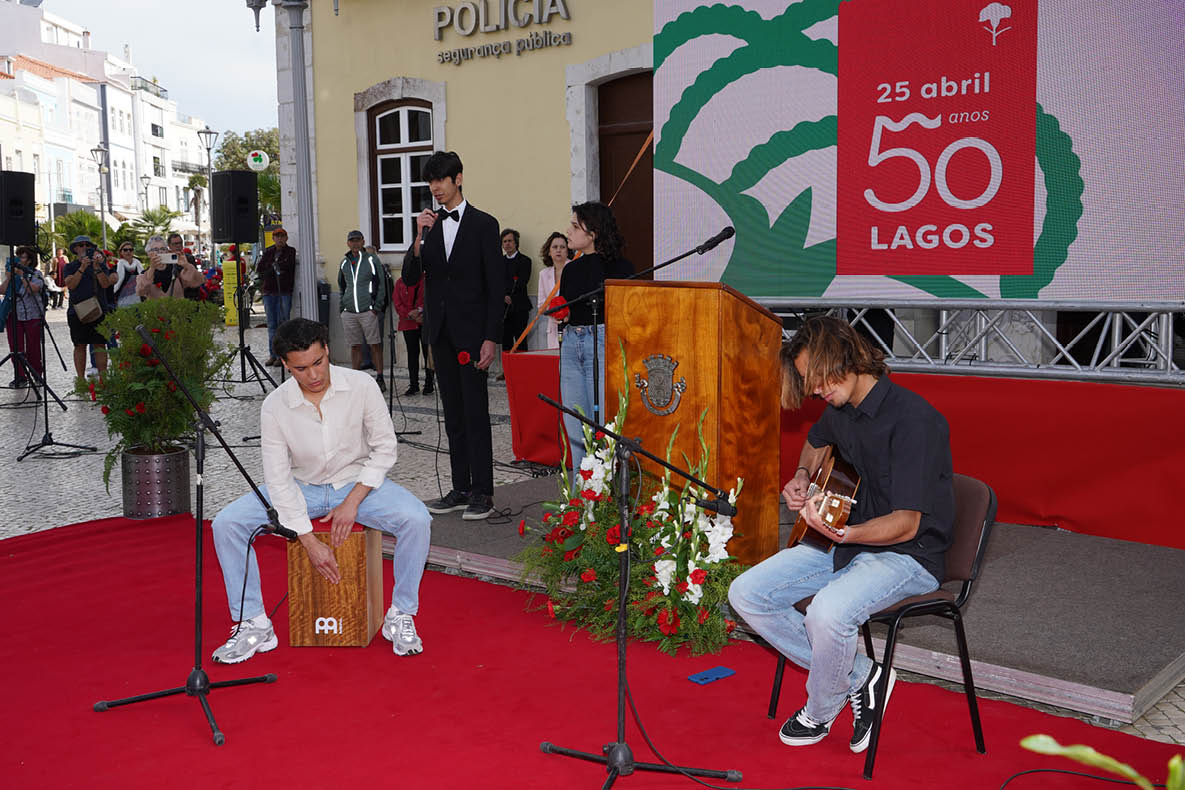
point(85, 97)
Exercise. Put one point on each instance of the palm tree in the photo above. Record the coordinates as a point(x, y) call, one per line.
point(270, 195)
point(77, 223)
point(155, 221)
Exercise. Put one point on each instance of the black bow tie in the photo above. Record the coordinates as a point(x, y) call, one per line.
point(456, 215)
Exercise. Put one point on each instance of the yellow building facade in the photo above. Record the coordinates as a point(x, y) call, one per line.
point(515, 87)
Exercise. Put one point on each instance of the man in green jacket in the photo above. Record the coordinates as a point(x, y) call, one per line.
point(363, 283)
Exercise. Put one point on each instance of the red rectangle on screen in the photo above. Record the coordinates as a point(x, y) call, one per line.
point(937, 127)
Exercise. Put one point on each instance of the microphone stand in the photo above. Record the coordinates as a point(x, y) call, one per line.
point(47, 439)
point(617, 757)
point(198, 683)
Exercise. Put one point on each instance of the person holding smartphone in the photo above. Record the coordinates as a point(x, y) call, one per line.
point(168, 273)
point(87, 277)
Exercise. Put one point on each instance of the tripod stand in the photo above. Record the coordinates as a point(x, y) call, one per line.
point(198, 684)
point(617, 757)
point(37, 378)
point(243, 352)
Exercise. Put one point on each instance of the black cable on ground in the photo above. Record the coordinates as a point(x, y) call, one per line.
point(1065, 772)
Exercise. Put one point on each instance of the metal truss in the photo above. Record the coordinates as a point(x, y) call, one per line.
point(1128, 342)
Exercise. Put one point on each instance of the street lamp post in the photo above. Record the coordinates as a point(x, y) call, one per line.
point(145, 180)
point(208, 137)
point(306, 284)
point(99, 154)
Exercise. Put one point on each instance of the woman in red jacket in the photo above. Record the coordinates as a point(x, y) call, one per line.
point(409, 306)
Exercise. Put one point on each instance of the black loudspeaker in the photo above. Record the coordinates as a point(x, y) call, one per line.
point(16, 208)
point(234, 200)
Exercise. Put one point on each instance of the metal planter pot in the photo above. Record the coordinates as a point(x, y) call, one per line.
point(155, 484)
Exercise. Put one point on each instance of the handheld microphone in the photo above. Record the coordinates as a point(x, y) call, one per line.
point(711, 243)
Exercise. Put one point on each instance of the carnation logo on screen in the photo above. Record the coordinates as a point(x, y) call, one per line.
point(937, 137)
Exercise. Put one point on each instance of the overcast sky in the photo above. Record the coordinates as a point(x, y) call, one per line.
point(205, 53)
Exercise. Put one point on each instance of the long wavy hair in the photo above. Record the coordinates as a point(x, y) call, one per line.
point(834, 349)
point(545, 250)
point(598, 219)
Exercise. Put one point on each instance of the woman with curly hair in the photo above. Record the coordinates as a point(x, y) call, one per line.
point(597, 243)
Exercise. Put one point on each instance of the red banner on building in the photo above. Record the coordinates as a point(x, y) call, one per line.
point(937, 127)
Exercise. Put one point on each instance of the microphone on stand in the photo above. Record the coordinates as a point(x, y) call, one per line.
point(277, 529)
point(711, 243)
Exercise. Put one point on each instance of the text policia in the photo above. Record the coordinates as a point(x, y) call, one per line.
point(928, 236)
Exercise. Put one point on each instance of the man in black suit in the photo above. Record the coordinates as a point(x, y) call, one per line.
point(464, 287)
point(518, 302)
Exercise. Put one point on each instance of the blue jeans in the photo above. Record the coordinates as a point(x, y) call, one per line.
point(278, 308)
point(824, 640)
point(390, 507)
point(576, 382)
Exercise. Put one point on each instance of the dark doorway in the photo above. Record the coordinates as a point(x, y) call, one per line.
point(626, 116)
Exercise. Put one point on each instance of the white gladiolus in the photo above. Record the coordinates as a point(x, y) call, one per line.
point(665, 571)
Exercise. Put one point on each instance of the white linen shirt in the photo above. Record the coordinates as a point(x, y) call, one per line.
point(351, 440)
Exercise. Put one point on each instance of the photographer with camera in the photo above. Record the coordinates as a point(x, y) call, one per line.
point(168, 273)
point(24, 319)
point(87, 279)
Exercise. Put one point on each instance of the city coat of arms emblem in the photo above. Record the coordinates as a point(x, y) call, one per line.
point(660, 392)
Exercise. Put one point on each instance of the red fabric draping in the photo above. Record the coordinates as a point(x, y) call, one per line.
point(534, 426)
point(1093, 458)
point(1099, 459)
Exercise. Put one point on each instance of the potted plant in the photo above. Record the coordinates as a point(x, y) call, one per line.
point(142, 404)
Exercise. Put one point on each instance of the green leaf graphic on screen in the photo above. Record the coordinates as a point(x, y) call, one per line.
point(772, 259)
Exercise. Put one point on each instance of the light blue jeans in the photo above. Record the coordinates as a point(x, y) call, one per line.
point(824, 640)
point(390, 507)
point(576, 382)
point(278, 308)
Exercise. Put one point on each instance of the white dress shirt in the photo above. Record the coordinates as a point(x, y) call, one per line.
point(350, 440)
point(450, 228)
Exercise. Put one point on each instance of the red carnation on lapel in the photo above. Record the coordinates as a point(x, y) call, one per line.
point(463, 357)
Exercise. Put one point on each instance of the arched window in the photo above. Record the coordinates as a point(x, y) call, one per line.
point(400, 142)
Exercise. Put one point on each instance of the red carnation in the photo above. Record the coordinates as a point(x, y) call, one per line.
point(522, 527)
point(613, 535)
point(590, 495)
point(156, 330)
point(589, 575)
point(729, 625)
point(172, 385)
point(703, 615)
point(463, 357)
point(658, 550)
point(681, 587)
point(609, 605)
point(550, 609)
point(646, 508)
point(586, 474)
point(105, 409)
point(93, 397)
point(668, 621)
point(145, 349)
point(562, 313)
point(571, 518)
point(140, 407)
point(698, 576)
point(547, 517)
point(130, 413)
point(599, 435)
point(170, 334)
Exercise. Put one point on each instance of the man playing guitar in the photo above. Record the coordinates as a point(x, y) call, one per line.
point(892, 547)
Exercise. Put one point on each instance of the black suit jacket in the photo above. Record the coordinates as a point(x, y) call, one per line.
point(463, 294)
point(518, 276)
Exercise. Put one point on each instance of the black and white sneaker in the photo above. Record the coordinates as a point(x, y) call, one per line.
point(801, 730)
point(480, 507)
point(865, 705)
point(453, 500)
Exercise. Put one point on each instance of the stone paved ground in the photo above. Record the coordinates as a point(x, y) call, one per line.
point(43, 492)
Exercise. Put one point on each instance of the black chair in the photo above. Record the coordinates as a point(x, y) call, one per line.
point(975, 511)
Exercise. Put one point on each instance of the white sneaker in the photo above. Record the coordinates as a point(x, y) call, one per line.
point(246, 639)
point(400, 630)
point(92, 372)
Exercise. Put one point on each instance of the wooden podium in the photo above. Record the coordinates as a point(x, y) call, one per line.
point(346, 614)
point(699, 346)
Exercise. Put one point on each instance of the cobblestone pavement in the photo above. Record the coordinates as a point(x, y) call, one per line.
point(45, 491)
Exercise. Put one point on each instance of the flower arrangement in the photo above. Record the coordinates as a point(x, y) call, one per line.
point(680, 566)
point(139, 400)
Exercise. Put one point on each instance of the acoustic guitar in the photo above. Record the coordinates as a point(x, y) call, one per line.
point(838, 481)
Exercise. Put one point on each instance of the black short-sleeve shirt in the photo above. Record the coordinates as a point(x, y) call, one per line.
point(87, 286)
point(900, 446)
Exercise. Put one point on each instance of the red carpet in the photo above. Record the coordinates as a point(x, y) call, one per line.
point(104, 610)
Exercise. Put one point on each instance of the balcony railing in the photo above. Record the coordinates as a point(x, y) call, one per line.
point(180, 166)
point(141, 84)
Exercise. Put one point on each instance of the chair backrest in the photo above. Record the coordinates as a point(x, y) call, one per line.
point(975, 511)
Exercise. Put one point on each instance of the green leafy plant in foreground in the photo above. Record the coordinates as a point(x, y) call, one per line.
point(1044, 744)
